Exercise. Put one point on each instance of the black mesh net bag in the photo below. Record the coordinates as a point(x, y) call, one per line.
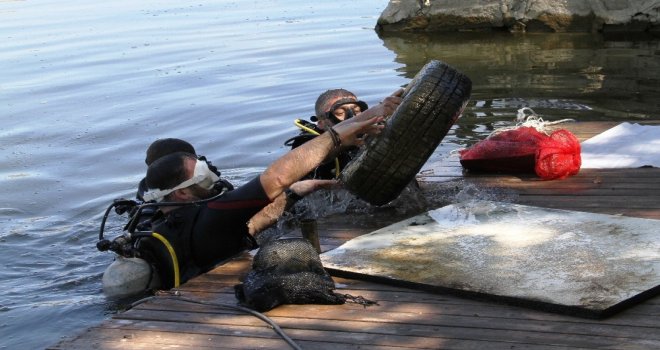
point(287, 271)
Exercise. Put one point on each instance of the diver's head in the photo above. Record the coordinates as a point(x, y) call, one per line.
point(163, 147)
point(180, 177)
point(337, 105)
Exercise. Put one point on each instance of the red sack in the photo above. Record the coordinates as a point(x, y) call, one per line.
point(526, 150)
point(558, 156)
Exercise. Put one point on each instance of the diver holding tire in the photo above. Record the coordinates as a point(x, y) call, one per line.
point(432, 102)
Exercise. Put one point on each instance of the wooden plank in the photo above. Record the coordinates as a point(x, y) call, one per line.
point(644, 316)
point(453, 324)
point(372, 326)
point(135, 338)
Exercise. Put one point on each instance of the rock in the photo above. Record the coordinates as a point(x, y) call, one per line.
point(521, 15)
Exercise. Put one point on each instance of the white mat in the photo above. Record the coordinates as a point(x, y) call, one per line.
point(564, 261)
point(623, 146)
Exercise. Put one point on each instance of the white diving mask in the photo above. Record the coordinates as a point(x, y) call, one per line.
point(202, 176)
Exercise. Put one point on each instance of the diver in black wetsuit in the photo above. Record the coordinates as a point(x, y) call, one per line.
point(332, 107)
point(204, 233)
point(198, 222)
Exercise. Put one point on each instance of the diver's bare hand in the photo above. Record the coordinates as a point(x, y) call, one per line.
point(385, 108)
point(305, 187)
point(352, 132)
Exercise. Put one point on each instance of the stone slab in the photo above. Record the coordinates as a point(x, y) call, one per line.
point(583, 264)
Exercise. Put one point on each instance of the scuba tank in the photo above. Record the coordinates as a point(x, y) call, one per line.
point(134, 270)
point(144, 260)
point(129, 276)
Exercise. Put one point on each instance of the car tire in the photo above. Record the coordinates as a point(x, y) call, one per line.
point(432, 102)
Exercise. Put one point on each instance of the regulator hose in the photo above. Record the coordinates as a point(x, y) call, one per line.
point(304, 127)
point(170, 250)
point(115, 203)
point(259, 315)
point(175, 261)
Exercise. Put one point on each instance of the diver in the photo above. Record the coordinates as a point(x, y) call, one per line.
point(331, 107)
point(199, 224)
point(209, 232)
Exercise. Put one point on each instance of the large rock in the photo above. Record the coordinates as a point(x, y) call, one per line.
point(521, 15)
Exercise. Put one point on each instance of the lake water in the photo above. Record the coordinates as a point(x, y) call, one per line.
point(85, 88)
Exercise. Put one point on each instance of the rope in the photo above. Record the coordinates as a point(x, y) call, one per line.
point(269, 321)
point(527, 117)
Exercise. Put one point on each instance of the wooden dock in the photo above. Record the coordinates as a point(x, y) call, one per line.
point(404, 318)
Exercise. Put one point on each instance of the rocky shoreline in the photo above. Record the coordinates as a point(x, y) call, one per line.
point(589, 16)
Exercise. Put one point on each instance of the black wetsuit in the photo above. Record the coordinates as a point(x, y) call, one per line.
point(206, 234)
point(328, 169)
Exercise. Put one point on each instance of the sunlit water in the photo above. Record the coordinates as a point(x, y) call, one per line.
point(85, 87)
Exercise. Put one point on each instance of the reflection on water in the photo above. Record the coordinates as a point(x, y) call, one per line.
point(579, 76)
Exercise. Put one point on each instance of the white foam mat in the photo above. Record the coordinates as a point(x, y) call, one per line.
point(584, 264)
point(626, 145)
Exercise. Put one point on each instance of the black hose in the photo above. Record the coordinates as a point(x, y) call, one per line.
point(135, 218)
point(259, 315)
point(133, 222)
point(107, 213)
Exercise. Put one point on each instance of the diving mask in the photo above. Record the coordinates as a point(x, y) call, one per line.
point(202, 176)
point(347, 110)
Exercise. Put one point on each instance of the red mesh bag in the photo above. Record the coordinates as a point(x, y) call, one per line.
point(558, 156)
point(526, 150)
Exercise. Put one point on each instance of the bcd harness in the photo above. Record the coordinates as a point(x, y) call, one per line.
point(166, 246)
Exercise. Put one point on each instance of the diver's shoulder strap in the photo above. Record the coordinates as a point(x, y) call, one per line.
point(308, 127)
point(308, 131)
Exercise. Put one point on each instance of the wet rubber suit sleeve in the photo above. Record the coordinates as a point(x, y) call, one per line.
point(221, 228)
